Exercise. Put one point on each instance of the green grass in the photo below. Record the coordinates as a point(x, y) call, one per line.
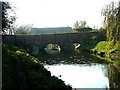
point(106, 46)
point(110, 50)
point(38, 78)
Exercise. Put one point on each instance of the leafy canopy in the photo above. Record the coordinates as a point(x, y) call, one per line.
point(7, 19)
point(111, 22)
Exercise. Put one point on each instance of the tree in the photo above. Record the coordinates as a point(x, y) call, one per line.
point(23, 29)
point(111, 22)
point(7, 19)
point(82, 24)
point(79, 24)
point(76, 25)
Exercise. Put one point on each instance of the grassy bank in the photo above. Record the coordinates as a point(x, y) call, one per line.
point(21, 70)
point(107, 50)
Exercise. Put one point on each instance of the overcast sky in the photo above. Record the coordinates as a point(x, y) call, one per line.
point(59, 13)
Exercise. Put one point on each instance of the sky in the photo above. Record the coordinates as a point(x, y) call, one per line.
point(59, 13)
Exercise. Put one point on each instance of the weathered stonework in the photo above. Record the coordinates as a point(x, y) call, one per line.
point(35, 42)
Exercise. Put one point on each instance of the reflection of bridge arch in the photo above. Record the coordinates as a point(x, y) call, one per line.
point(64, 40)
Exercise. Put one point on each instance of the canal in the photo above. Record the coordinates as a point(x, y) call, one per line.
point(83, 71)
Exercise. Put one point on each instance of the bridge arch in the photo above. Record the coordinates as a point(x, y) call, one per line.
point(35, 42)
point(52, 48)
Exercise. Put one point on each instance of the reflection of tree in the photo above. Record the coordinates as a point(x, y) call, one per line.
point(114, 77)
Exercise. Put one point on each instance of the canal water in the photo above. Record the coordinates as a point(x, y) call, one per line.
point(81, 75)
point(82, 71)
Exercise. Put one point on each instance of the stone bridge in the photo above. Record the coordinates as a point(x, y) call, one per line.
point(36, 42)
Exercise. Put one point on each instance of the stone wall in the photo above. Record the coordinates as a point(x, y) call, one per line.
point(39, 41)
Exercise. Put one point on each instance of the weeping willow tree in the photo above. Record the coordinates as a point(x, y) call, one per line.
point(111, 21)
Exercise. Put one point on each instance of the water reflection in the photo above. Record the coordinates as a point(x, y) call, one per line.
point(81, 75)
point(114, 76)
